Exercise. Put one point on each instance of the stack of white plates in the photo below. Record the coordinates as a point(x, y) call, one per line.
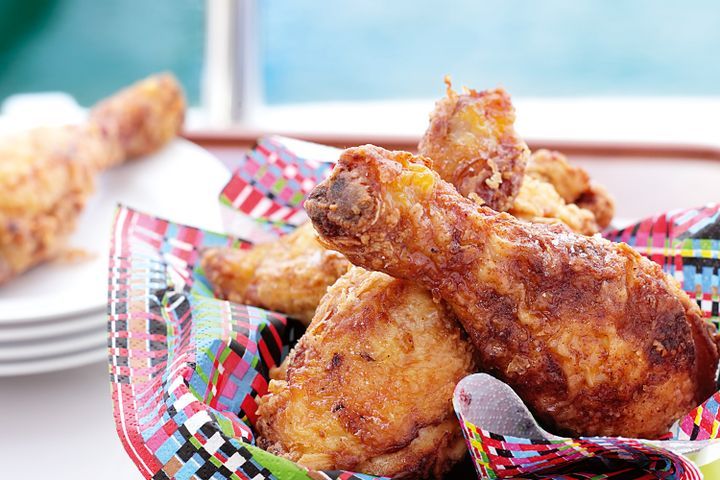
point(53, 317)
point(46, 323)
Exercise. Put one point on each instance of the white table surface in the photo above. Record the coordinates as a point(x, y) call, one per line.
point(60, 425)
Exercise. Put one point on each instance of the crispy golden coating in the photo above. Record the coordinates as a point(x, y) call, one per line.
point(47, 174)
point(569, 180)
point(595, 338)
point(289, 275)
point(539, 202)
point(472, 142)
point(599, 201)
point(573, 186)
point(473, 145)
point(369, 386)
point(45, 177)
point(143, 117)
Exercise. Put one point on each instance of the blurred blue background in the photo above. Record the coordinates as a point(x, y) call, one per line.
point(350, 50)
point(374, 49)
point(89, 48)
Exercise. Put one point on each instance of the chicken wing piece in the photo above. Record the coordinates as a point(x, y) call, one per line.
point(369, 386)
point(572, 183)
point(472, 142)
point(47, 174)
point(289, 275)
point(595, 338)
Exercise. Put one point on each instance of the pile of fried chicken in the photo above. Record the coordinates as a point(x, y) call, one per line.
point(472, 256)
point(47, 174)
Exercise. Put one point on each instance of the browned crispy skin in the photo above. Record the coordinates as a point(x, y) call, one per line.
point(573, 185)
point(472, 142)
point(473, 145)
point(569, 180)
point(599, 201)
point(289, 275)
point(539, 202)
point(595, 338)
point(143, 117)
point(47, 174)
point(368, 388)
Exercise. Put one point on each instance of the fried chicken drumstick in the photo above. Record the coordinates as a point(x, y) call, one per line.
point(595, 338)
point(47, 174)
point(369, 386)
point(473, 145)
point(289, 275)
point(472, 142)
point(470, 136)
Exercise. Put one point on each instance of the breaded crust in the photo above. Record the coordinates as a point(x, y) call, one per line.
point(368, 388)
point(47, 174)
point(472, 142)
point(595, 338)
point(289, 275)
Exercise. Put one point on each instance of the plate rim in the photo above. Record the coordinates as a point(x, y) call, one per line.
point(52, 364)
point(30, 351)
point(54, 328)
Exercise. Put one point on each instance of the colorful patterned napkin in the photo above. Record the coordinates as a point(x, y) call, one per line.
point(186, 368)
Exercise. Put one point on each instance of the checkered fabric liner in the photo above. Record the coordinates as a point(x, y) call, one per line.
point(186, 368)
point(687, 244)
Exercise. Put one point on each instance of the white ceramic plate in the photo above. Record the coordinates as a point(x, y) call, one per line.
point(16, 352)
point(51, 364)
point(52, 329)
point(181, 182)
point(40, 347)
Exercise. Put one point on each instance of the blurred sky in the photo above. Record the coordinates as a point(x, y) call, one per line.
point(373, 49)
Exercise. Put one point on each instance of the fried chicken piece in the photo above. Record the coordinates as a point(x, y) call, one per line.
point(595, 338)
point(473, 145)
point(143, 117)
point(472, 142)
point(573, 185)
point(539, 202)
point(369, 386)
point(599, 201)
point(47, 174)
point(553, 167)
point(289, 275)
